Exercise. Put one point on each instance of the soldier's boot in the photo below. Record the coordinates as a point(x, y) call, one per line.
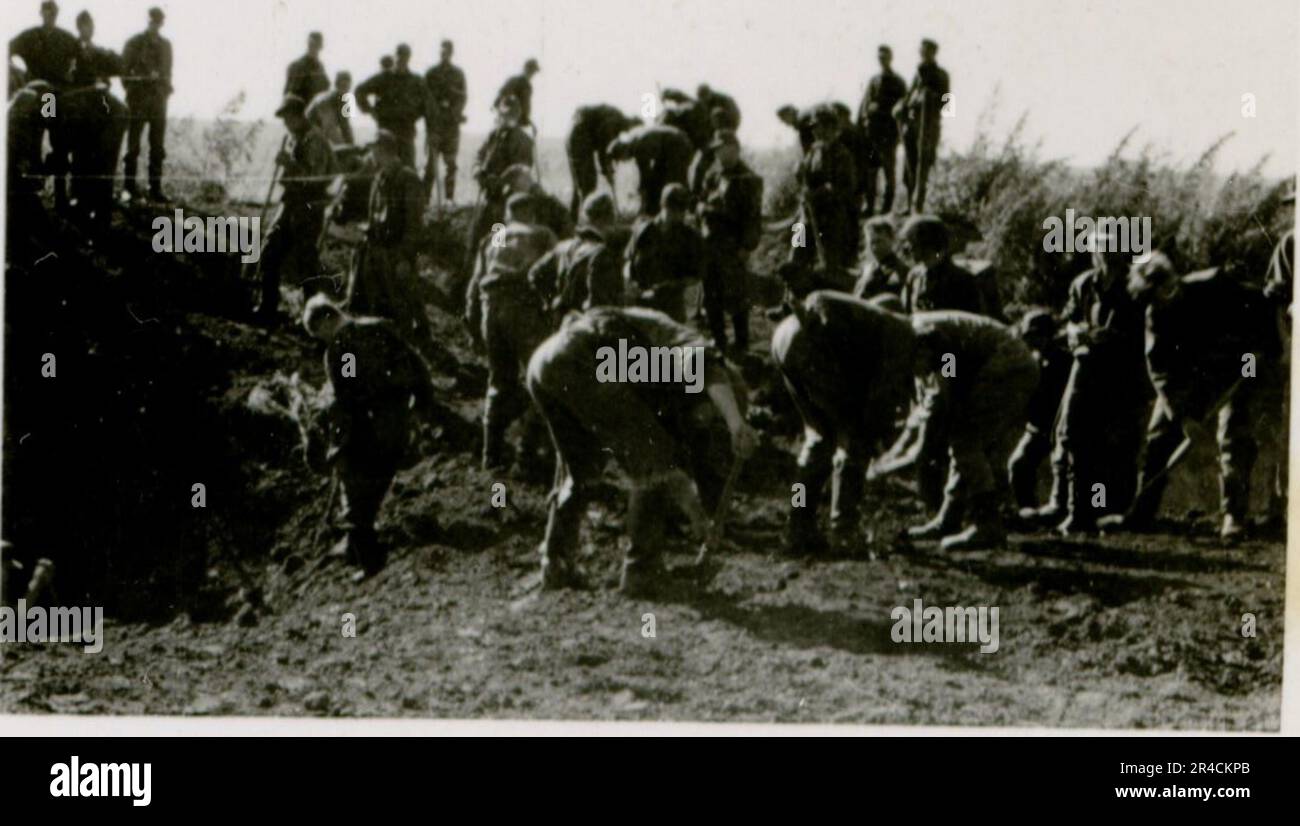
point(1053, 510)
point(644, 573)
point(947, 520)
point(449, 184)
point(1080, 517)
point(802, 537)
point(156, 193)
point(1234, 493)
point(559, 573)
point(986, 530)
point(494, 435)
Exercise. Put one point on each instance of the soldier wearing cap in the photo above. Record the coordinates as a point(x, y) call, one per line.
point(1100, 425)
point(667, 436)
point(306, 76)
point(308, 169)
point(147, 76)
point(385, 274)
point(593, 129)
point(1212, 349)
point(505, 317)
point(507, 147)
point(397, 100)
point(328, 111)
point(93, 121)
point(731, 215)
point(549, 210)
point(828, 210)
point(520, 87)
point(662, 154)
point(447, 96)
point(581, 272)
point(920, 114)
point(381, 393)
point(876, 117)
point(665, 255)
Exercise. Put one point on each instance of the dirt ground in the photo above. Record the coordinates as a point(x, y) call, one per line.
point(1114, 632)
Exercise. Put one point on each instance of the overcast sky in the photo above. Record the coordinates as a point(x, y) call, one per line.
point(1085, 71)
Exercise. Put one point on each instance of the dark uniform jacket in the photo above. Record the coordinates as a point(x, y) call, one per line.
point(521, 88)
point(731, 209)
point(660, 253)
point(48, 53)
point(926, 96)
point(578, 274)
point(306, 78)
point(310, 168)
point(396, 210)
point(504, 147)
point(1196, 341)
point(447, 95)
point(401, 100)
point(876, 112)
point(944, 286)
point(93, 65)
point(1112, 321)
point(147, 65)
point(659, 149)
point(594, 128)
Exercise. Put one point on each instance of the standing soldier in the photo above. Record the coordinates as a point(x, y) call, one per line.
point(1212, 349)
point(660, 434)
point(840, 358)
point(876, 116)
point(662, 155)
point(308, 164)
point(381, 393)
point(147, 76)
point(520, 87)
point(506, 146)
point(306, 76)
point(1100, 426)
point(385, 279)
point(885, 272)
point(505, 318)
point(827, 210)
point(47, 50)
point(97, 120)
point(731, 214)
point(401, 101)
point(447, 96)
point(921, 114)
point(594, 129)
point(329, 111)
point(581, 272)
point(665, 255)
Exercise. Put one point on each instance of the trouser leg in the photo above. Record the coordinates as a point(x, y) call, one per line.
point(888, 158)
point(1022, 468)
point(157, 145)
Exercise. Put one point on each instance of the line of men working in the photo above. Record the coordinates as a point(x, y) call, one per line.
point(85, 121)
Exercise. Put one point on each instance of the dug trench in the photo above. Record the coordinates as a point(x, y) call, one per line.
point(237, 608)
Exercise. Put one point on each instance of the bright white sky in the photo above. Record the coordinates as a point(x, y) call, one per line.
point(1086, 70)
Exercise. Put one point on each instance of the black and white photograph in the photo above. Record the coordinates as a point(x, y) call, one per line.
point(692, 367)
